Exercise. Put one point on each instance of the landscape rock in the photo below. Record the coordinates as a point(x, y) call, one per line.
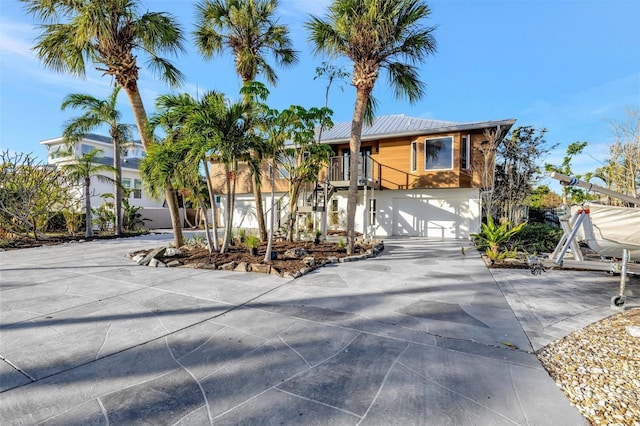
point(153, 254)
point(309, 260)
point(242, 267)
point(174, 263)
point(295, 253)
point(172, 252)
point(262, 268)
point(155, 263)
point(227, 266)
point(332, 259)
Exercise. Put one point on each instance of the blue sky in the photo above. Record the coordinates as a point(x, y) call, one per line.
point(569, 66)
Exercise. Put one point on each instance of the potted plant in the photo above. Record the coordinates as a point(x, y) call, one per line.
point(316, 236)
point(252, 243)
point(242, 234)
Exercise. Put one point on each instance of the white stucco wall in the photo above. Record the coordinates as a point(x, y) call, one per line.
point(434, 213)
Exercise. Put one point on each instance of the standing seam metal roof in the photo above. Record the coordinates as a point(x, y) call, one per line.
point(399, 124)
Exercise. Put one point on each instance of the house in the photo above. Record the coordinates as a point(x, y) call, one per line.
point(132, 153)
point(417, 177)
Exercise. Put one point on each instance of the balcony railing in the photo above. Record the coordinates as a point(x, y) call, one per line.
point(370, 171)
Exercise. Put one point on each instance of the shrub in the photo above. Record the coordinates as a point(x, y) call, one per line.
point(537, 237)
point(252, 241)
point(493, 237)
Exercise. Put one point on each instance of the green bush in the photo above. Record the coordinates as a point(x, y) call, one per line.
point(537, 238)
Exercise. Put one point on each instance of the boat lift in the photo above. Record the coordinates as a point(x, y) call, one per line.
point(580, 223)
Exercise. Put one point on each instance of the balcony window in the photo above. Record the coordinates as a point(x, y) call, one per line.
point(438, 153)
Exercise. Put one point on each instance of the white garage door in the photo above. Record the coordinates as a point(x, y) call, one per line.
point(430, 217)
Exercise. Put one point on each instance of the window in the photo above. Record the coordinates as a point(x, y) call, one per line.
point(438, 153)
point(137, 188)
point(465, 152)
point(85, 149)
point(414, 156)
point(372, 211)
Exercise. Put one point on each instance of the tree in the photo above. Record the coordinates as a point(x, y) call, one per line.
point(484, 166)
point(161, 168)
point(96, 113)
point(374, 35)
point(30, 194)
point(621, 171)
point(570, 193)
point(517, 169)
point(110, 34)
point(250, 30)
point(543, 197)
point(83, 169)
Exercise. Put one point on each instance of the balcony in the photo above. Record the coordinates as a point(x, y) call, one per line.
point(369, 172)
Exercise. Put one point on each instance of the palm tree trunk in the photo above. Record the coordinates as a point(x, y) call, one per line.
point(354, 148)
point(214, 208)
point(228, 216)
point(267, 256)
point(174, 212)
point(139, 114)
point(118, 186)
point(207, 234)
point(257, 195)
point(87, 208)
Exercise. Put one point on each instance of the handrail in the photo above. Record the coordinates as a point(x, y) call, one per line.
point(338, 167)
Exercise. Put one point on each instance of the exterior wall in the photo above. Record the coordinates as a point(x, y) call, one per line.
point(98, 187)
point(244, 212)
point(435, 213)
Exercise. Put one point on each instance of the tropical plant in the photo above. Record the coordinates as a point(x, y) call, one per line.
point(374, 35)
point(252, 241)
point(493, 236)
point(72, 220)
point(97, 113)
point(111, 34)
point(103, 215)
point(83, 169)
point(250, 30)
point(132, 219)
point(30, 193)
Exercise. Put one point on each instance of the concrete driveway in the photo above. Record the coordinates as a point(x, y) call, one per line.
point(420, 335)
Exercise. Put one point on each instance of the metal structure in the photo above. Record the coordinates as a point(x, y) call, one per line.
point(580, 222)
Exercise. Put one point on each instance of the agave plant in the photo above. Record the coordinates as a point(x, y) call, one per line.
point(493, 235)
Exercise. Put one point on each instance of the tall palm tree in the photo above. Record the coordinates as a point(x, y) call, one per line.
point(250, 30)
point(161, 167)
point(110, 34)
point(374, 35)
point(98, 112)
point(82, 169)
point(198, 121)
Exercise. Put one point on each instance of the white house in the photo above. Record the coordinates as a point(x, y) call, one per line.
point(132, 153)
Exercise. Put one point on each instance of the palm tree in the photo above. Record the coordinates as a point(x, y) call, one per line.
point(160, 168)
point(110, 34)
point(96, 113)
point(374, 35)
point(198, 122)
point(82, 169)
point(250, 30)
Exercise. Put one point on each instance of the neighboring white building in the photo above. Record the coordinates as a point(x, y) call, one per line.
point(132, 153)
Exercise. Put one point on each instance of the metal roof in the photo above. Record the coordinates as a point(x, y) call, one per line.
point(89, 136)
point(401, 125)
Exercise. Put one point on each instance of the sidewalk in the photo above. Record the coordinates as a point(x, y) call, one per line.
point(421, 335)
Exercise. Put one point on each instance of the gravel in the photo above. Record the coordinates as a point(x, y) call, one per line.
point(598, 368)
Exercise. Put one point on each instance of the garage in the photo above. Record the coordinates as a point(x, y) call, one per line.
point(434, 217)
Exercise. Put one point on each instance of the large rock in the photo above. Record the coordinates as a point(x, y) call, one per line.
point(309, 261)
point(153, 254)
point(227, 266)
point(295, 253)
point(261, 268)
point(242, 267)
